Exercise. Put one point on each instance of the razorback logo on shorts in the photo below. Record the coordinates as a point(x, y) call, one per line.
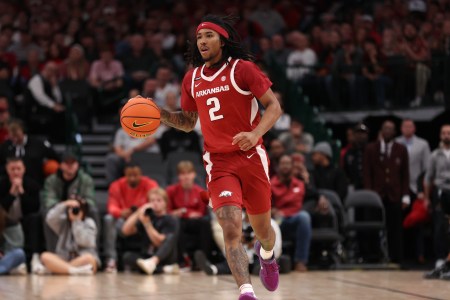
point(225, 194)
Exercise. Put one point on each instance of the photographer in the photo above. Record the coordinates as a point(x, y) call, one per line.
point(76, 252)
point(68, 183)
point(157, 231)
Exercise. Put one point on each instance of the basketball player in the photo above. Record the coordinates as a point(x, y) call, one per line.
point(221, 90)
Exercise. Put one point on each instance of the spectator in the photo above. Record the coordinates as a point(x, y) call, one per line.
point(12, 257)
point(31, 67)
point(386, 171)
point(4, 118)
point(346, 74)
point(417, 53)
point(354, 157)
point(138, 62)
point(106, 73)
point(296, 140)
point(287, 196)
point(125, 196)
point(149, 88)
point(276, 150)
point(172, 102)
point(76, 250)
point(284, 121)
point(46, 94)
point(186, 202)
point(436, 190)
point(373, 71)
point(6, 56)
point(123, 148)
point(173, 140)
point(70, 182)
point(277, 55)
point(32, 151)
point(301, 60)
point(164, 86)
point(25, 44)
point(325, 175)
point(418, 153)
point(446, 51)
point(157, 232)
point(350, 136)
point(269, 19)
point(19, 196)
point(76, 66)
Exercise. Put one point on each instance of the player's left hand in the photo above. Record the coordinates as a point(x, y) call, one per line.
point(245, 140)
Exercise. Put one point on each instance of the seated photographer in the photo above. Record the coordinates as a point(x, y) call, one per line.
point(158, 233)
point(19, 196)
point(185, 202)
point(68, 183)
point(125, 196)
point(76, 249)
point(248, 241)
point(12, 257)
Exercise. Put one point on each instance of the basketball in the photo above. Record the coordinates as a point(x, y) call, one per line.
point(140, 117)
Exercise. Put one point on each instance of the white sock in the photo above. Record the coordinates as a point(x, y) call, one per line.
point(82, 270)
point(214, 269)
point(246, 288)
point(265, 254)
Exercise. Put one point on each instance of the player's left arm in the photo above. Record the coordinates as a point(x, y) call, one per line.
point(247, 140)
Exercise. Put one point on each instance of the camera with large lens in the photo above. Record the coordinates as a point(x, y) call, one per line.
point(149, 212)
point(76, 210)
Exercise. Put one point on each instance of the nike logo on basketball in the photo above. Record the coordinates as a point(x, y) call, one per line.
point(250, 156)
point(226, 194)
point(136, 125)
point(198, 84)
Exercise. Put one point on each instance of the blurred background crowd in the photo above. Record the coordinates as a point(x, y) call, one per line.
point(79, 194)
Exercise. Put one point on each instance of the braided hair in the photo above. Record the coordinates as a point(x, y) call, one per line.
point(232, 46)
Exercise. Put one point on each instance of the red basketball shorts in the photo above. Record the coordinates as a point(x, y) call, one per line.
point(239, 179)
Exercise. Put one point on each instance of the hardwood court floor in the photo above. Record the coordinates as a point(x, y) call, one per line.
point(337, 285)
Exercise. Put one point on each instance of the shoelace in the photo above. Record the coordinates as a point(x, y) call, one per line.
point(271, 267)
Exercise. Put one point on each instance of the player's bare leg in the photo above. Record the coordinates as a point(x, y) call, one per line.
point(230, 219)
point(265, 234)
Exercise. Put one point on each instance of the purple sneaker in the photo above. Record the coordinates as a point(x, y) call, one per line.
point(248, 296)
point(269, 273)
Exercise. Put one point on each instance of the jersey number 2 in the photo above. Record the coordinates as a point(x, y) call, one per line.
point(216, 107)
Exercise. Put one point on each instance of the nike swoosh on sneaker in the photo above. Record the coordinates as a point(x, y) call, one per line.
point(136, 125)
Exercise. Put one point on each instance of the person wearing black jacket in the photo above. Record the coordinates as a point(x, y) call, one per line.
point(353, 159)
point(174, 140)
point(19, 196)
point(325, 175)
point(32, 151)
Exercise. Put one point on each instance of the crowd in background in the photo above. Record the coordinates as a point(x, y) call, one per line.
point(86, 56)
point(344, 54)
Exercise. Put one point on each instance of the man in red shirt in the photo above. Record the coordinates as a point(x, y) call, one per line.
point(126, 195)
point(221, 90)
point(185, 202)
point(288, 194)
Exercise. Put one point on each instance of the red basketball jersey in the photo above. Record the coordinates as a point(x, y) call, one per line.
point(226, 102)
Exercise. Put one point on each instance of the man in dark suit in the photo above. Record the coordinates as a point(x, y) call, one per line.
point(386, 171)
